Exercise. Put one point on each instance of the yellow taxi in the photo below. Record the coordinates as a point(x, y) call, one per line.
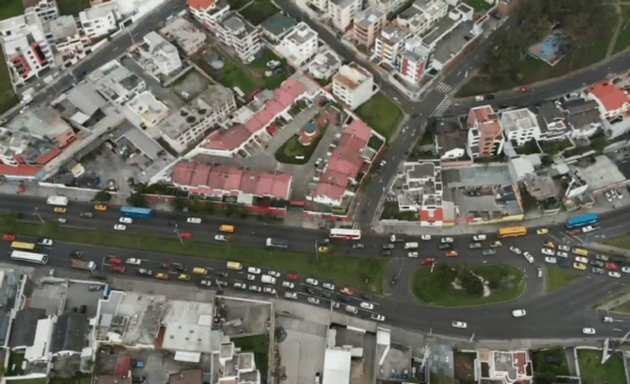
point(227, 228)
point(100, 207)
point(542, 231)
point(183, 277)
point(200, 271)
point(323, 249)
point(579, 266)
point(60, 210)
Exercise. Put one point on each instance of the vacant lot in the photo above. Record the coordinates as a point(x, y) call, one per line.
point(558, 277)
point(479, 5)
point(381, 114)
point(10, 8)
point(72, 7)
point(594, 373)
point(258, 11)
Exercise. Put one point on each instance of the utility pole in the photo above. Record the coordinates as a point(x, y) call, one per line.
point(176, 230)
point(36, 213)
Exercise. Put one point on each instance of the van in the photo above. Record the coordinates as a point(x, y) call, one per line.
point(234, 265)
point(228, 228)
point(579, 252)
point(199, 271)
point(411, 245)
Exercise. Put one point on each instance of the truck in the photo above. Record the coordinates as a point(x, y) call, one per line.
point(57, 201)
point(267, 279)
point(411, 245)
point(277, 243)
point(82, 264)
point(479, 237)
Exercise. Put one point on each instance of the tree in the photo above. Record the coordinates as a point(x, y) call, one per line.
point(472, 284)
point(137, 200)
point(102, 196)
point(179, 203)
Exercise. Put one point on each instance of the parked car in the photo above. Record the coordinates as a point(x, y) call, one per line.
point(598, 271)
point(427, 261)
point(133, 261)
point(255, 288)
point(528, 256)
point(220, 237)
point(564, 248)
point(329, 286)
point(542, 231)
point(445, 240)
point(550, 260)
point(313, 300)
point(240, 285)
point(288, 284)
point(253, 270)
point(488, 252)
point(377, 317)
point(459, 324)
point(366, 305)
point(547, 251)
point(614, 274)
point(425, 237)
point(601, 257)
point(290, 295)
point(445, 246)
point(125, 220)
point(113, 260)
point(311, 281)
point(412, 254)
point(347, 291)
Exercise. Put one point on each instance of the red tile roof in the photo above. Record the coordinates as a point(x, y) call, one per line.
point(610, 96)
point(48, 156)
point(201, 4)
point(432, 215)
point(20, 170)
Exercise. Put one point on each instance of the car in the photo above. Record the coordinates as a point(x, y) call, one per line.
point(549, 244)
point(313, 300)
point(255, 288)
point(547, 251)
point(275, 274)
point(519, 313)
point(523, 89)
point(617, 194)
point(239, 285)
point(474, 245)
point(488, 252)
point(293, 276)
point(183, 277)
point(614, 274)
point(60, 210)
point(185, 235)
point(608, 319)
point(515, 250)
point(323, 249)
point(125, 220)
point(386, 252)
point(598, 271)
point(579, 266)
point(254, 270)
point(133, 261)
point(118, 268)
point(588, 331)
point(539, 273)
point(496, 244)
point(144, 272)
point(288, 284)
point(45, 242)
point(251, 277)
point(452, 253)
point(528, 256)
point(113, 260)
point(358, 246)
point(459, 324)
point(412, 254)
point(445, 240)
point(550, 260)
point(291, 295)
point(564, 248)
point(311, 281)
point(473, 193)
point(77, 254)
point(8, 237)
point(597, 263)
point(542, 231)
point(611, 266)
point(220, 237)
point(425, 237)
point(562, 254)
point(193, 220)
point(347, 291)
point(100, 207)
point(377, 317)
point(601, 257)
point(427, 261)
point(445, 246)
point(87, 215)
point(579, 259)
point(120, 227)
point(206, 283)
point(625, 269)
point(366, 305)
point(351, 309)
point(269, 290)
point(387, 246)
point(588, 228)
point(161, 276)
point(329, 286)
point(178, 267)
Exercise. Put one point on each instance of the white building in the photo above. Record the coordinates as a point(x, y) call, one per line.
point(45, 9)
point(520, 126)
point(238, 33)
point(422, 15)
point(389, 43)
point(342, 12)
point(299, 46)
point(337, 364)
point(321, 5)
point(324, 65)
point(210, 13)
point(187, 36)
point(387, 6)
point(69, 42)
point(353, 85)
point(100, 20)
point(162, 55)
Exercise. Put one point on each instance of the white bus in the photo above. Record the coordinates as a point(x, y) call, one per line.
point(30, 257)
point(345, 234)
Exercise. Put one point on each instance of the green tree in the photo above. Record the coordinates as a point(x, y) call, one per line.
point(102, 196)
point(179, 203)
point(472, 284)
point(137, 200)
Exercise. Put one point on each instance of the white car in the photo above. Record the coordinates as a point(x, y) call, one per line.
point(253, 270)
point(608, 196)
point(290, 295)
point(255, 288)
point(120, 227)
point(547, 251)
point(582, 260)
point(220, 237)
point(329, 286)
point(425, 237)
point(275, 274)
point(45, 242)
point(251, 277)
point(528, 257)
point(377, 317)
point(539, 273)
point(125, 220)
point(366, 305)
point(351, 309)
point(412, 254)
point(550, 260)
point(240, 285)
point(288, 284)
point(625, 269)
point(562, 254)
point(608, 319)
point(445, 240)
point(193, 220)
point(519, 313)
point(515, 250)
point(588, 228)
point(614, 274)
point(269, 290)
point(588, 331)
point(564, 248)
point(311, 281)
point(133, 261)
point(459, 324)
point(313, 300)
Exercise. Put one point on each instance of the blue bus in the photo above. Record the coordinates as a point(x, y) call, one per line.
point(582, 220)
point(137, 213)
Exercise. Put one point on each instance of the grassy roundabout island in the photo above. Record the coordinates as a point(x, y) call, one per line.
point(464, 285)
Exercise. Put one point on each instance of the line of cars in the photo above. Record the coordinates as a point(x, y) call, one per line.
point(600, 263)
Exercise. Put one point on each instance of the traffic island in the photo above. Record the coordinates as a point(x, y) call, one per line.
point(464, 286)
point(558, 277)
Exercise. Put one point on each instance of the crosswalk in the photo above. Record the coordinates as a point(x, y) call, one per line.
point(442, 87)
point(442, 107)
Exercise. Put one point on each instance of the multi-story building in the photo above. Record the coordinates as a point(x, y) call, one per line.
point(236, 32)
point(422, 15)
point(161, 55)
point(413, 60)
point(353, 85)
point(70, 43)
point(300, 45)
point(320, 5)
point(342, 12)
point(116, 83)
point(183, 33)
point(46, 9)
point(187, 126)
point(100, 20)
point(485, 136)
point(389, 43)
point(210, 13)
point(520, 126)
point(387, 6)
point(367, 25)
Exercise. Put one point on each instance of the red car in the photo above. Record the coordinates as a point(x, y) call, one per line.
point(523, 90)
point(427, 261)
point(293, 276)
point(185, 235)
point(347, 291)
point(113, 260)
point(118, 269)
point(611, 266)
point(8, 237)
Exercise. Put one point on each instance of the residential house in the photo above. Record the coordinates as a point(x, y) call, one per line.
point(238, 33)
point(611, 100)
point(100, 20)
point(421, 190)
point(422, 15)
point(210, 13)
point(504, 366)
point(44, 124)
point(324, 65)
point(160, 56)
point(70, 43)
point(188, 376)
point(342, 12)
point(413, 60)
point(117, 83)
point(187, 36)
point(299, 46)
point(485, 136)
point(277, 27)
point(551, 120)
point(388, 7)
point(520, 126)
point(70, 334)
point(367, 25)
point(353, 85)
point(32, 333)
point(583, 117)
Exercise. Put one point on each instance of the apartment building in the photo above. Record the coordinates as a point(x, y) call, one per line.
point(160, 56)
point(413, 60)
point(210, 13)
point(342, 12)
point(389, 43)
point(70, 43)
point(485, 136)
point(387, 6)
point(300, 45)
point(100, 20)
point(46, 9)
point(422, 15)
point(320, 5)
point(238, 33)
point(367, 25)
point(520, 126)
point(353, 85)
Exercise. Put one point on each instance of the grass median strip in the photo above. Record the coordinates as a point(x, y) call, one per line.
point(558, 277)
point(365, 273)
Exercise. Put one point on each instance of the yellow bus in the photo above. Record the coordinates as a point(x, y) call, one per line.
point(512, 231)
point(23, 246)
point(234, 265)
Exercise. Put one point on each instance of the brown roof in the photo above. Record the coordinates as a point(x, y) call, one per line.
point(189, 376)
point(112, 380)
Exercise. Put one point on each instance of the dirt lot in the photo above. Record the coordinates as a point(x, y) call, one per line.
point(464, 367)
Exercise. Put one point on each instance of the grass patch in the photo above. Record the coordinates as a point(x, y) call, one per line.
point(235, 76)
point(258, 344)
point(623, 39)
point(78, 379)
point(345, 270)
point(558, 277)
point(479, 5)
point(258, 11)
point(381, 114)
point(548, 364)
point(72, 7)
point(292, 148)
point(593, 372)
point(10, 8)
point(506, 283)
point(623, 308)
point(621, 241)
point(8, 98)
point(375, 142)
